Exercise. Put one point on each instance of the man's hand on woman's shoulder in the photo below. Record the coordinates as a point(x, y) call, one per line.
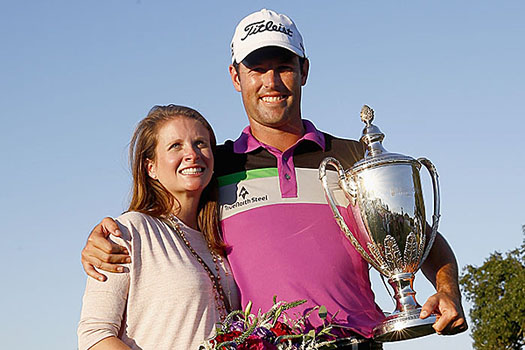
point(99, 252)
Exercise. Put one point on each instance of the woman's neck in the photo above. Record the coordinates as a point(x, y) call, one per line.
point(187, 213)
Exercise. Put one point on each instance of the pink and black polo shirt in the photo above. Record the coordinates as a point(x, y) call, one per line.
point(282, 236)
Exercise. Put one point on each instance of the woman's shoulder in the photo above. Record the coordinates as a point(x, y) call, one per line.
point(135, 222)
point(134, 217)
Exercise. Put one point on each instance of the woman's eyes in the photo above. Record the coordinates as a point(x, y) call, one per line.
point(176, 145)
point(201, 144)
point(198, 144)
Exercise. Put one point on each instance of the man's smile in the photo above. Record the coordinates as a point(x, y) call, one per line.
point(273, 99)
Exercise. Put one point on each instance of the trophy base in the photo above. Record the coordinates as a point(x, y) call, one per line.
point(403, 326)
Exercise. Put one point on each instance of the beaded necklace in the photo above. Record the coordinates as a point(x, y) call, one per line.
point(222, 303)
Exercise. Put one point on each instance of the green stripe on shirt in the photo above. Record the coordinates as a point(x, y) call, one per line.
point(247, 175)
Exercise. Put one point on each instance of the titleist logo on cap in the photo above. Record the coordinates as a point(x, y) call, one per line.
point(265, 26)
point(263, 29)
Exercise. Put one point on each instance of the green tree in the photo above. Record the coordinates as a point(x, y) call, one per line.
point(497, 292)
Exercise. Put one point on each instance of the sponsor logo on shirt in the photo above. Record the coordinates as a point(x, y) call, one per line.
point(243, 192)
point(244, 198)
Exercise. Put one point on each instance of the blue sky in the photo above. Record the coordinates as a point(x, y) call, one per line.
point(444, 78)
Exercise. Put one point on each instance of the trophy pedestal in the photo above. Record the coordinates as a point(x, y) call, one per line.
point(404, 325)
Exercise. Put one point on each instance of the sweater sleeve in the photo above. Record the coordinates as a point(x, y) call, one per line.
point(104, 303)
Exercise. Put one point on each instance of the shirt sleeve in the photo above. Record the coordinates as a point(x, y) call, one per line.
point(104, 303)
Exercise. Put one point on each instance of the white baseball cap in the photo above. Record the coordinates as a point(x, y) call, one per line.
point(265, 28)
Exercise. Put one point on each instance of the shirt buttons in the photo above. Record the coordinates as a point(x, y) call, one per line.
point(287, 176)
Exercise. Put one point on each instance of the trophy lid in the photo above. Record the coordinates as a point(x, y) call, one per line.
point(372, 137)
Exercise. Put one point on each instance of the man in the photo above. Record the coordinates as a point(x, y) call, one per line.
point(281, 235)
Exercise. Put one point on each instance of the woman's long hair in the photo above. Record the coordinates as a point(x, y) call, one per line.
point(149, 196)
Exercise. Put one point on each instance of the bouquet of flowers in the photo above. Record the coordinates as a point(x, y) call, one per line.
point(273, 330)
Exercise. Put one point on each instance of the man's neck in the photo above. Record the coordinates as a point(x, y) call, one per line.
point(280, 138)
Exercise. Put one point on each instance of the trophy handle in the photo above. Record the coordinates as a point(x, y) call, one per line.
point(351, 192)
point(435, 217)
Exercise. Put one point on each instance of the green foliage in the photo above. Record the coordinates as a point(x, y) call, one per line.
point(497, 292)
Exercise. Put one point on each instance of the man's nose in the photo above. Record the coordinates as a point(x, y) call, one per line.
point(271, 78)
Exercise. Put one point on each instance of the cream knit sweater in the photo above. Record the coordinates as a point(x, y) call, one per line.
point(165, 299)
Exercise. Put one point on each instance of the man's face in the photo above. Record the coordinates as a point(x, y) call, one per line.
point(270, 81)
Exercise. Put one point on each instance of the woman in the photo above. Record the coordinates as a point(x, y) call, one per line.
point(178, 285)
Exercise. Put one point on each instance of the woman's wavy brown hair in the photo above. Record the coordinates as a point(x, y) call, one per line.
point(149, 196)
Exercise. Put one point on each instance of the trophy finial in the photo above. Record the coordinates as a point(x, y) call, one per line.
point(372, 136)
point(367, 115)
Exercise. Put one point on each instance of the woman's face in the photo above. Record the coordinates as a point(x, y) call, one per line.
point(183, 158)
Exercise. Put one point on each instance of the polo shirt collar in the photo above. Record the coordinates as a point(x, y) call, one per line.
point(247, 142)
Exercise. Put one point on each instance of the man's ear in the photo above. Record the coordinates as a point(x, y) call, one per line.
point(304, 71)
point(235, 78)
point(151, 168)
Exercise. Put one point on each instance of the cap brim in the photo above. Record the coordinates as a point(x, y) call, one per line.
point(243, 54)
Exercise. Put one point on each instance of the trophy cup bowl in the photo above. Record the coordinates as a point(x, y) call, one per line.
point(386, 202)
